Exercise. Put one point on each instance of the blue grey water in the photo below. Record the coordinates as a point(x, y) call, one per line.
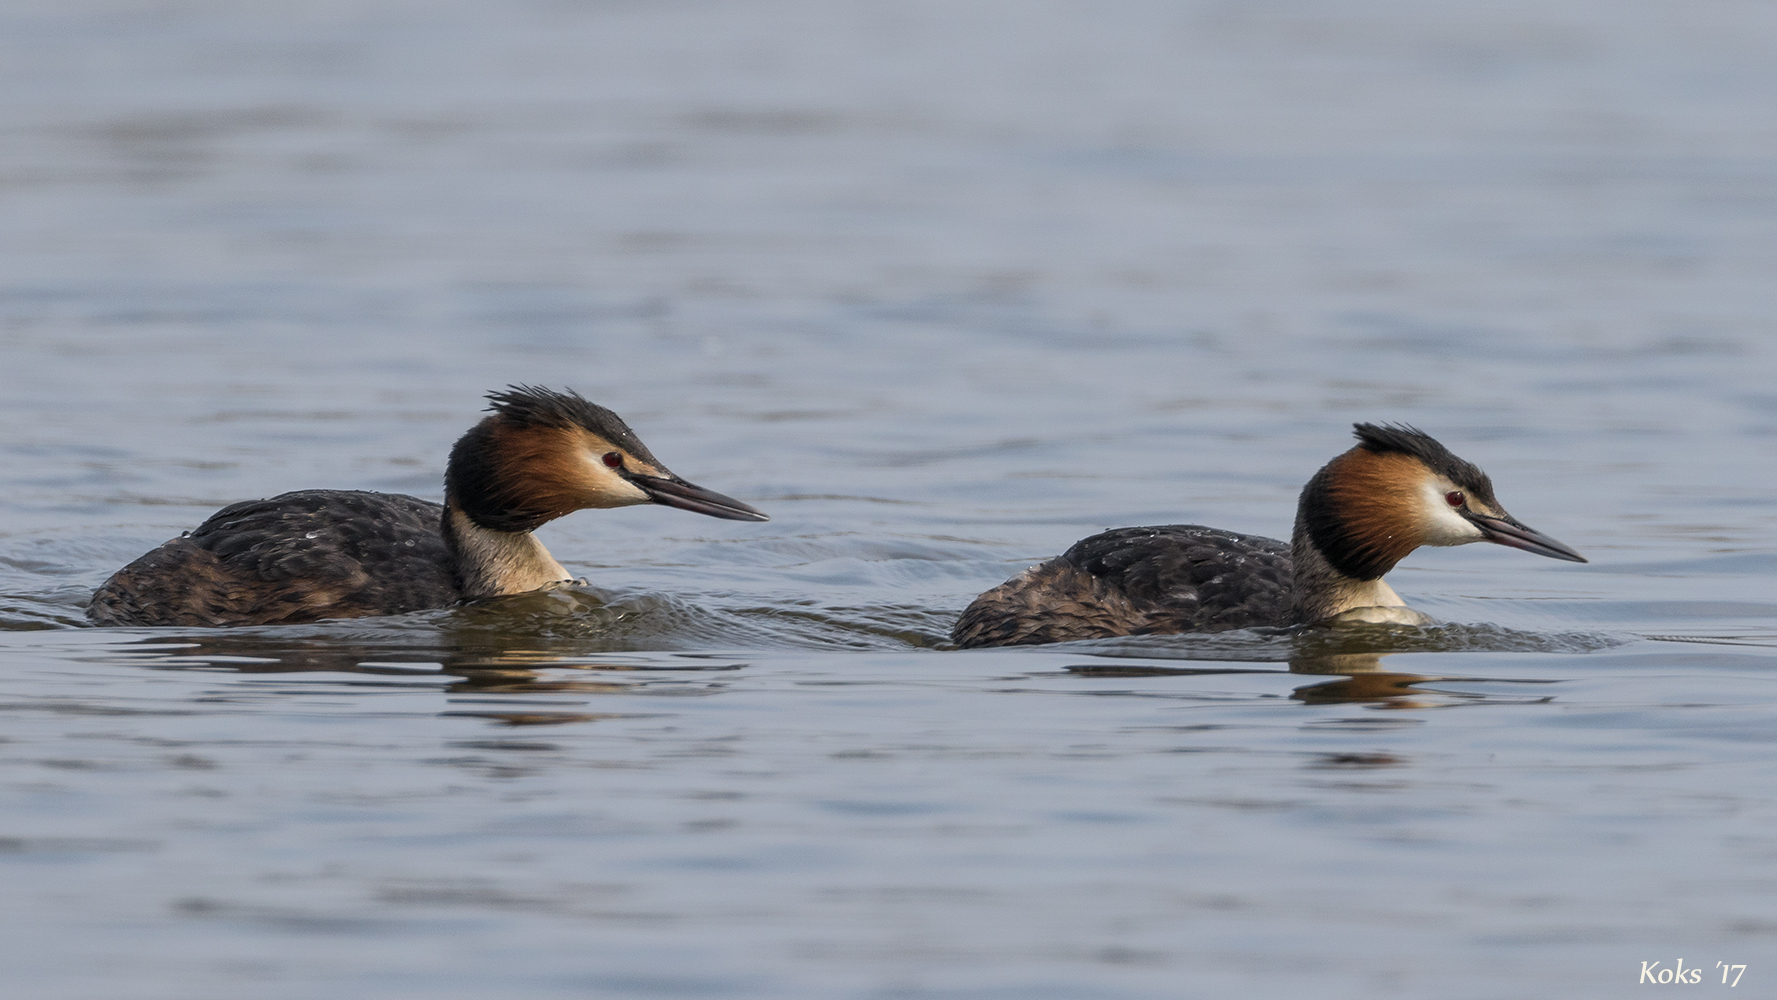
point(943, 286)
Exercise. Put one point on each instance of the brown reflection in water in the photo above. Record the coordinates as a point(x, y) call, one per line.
point(1338, 663)
point(480, 661)
point(1381, 690)
point(1341, 761)
point(1365, 681)
point(540, 718)
point(478, 681)
point(1096, 670)
point(1362, 680)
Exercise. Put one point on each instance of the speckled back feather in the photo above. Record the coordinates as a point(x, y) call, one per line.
point(296, 557)
point(1156, 580)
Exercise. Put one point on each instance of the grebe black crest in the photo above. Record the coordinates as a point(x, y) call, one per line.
point(1362, 512)
point(317, 554)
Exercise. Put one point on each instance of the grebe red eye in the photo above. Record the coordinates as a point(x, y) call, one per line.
point(1454, 498)
point(614, 460)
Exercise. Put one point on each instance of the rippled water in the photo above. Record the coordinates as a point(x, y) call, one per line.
point(942, 287)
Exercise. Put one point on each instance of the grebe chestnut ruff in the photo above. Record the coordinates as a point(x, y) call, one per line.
point(315, 554)
point(1360, 514)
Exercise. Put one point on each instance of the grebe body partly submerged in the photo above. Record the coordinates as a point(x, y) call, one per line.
point(316, 554)
point(1360, 514)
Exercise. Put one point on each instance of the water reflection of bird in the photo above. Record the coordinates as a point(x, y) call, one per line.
point(317, 554)
point(1360, 514)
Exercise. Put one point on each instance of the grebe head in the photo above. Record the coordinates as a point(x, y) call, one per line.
point(1400, 489)
point(543, 454)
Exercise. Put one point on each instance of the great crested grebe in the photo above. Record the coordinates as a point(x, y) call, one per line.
point(1360, 514)
point(314, 554)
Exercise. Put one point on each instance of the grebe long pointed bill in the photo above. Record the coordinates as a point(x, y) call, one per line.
point(675, 492)
point(1510, 531)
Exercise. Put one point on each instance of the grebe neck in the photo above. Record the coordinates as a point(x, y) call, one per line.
point(1320, 591)
point(489, 563)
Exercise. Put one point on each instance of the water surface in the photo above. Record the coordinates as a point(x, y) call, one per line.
point(944, 288)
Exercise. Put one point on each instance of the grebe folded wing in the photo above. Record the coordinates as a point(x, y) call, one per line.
point(1137, 581)
point(295, 557)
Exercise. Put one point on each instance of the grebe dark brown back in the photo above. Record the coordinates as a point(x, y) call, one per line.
point(316, 554)
point(1360, 514)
